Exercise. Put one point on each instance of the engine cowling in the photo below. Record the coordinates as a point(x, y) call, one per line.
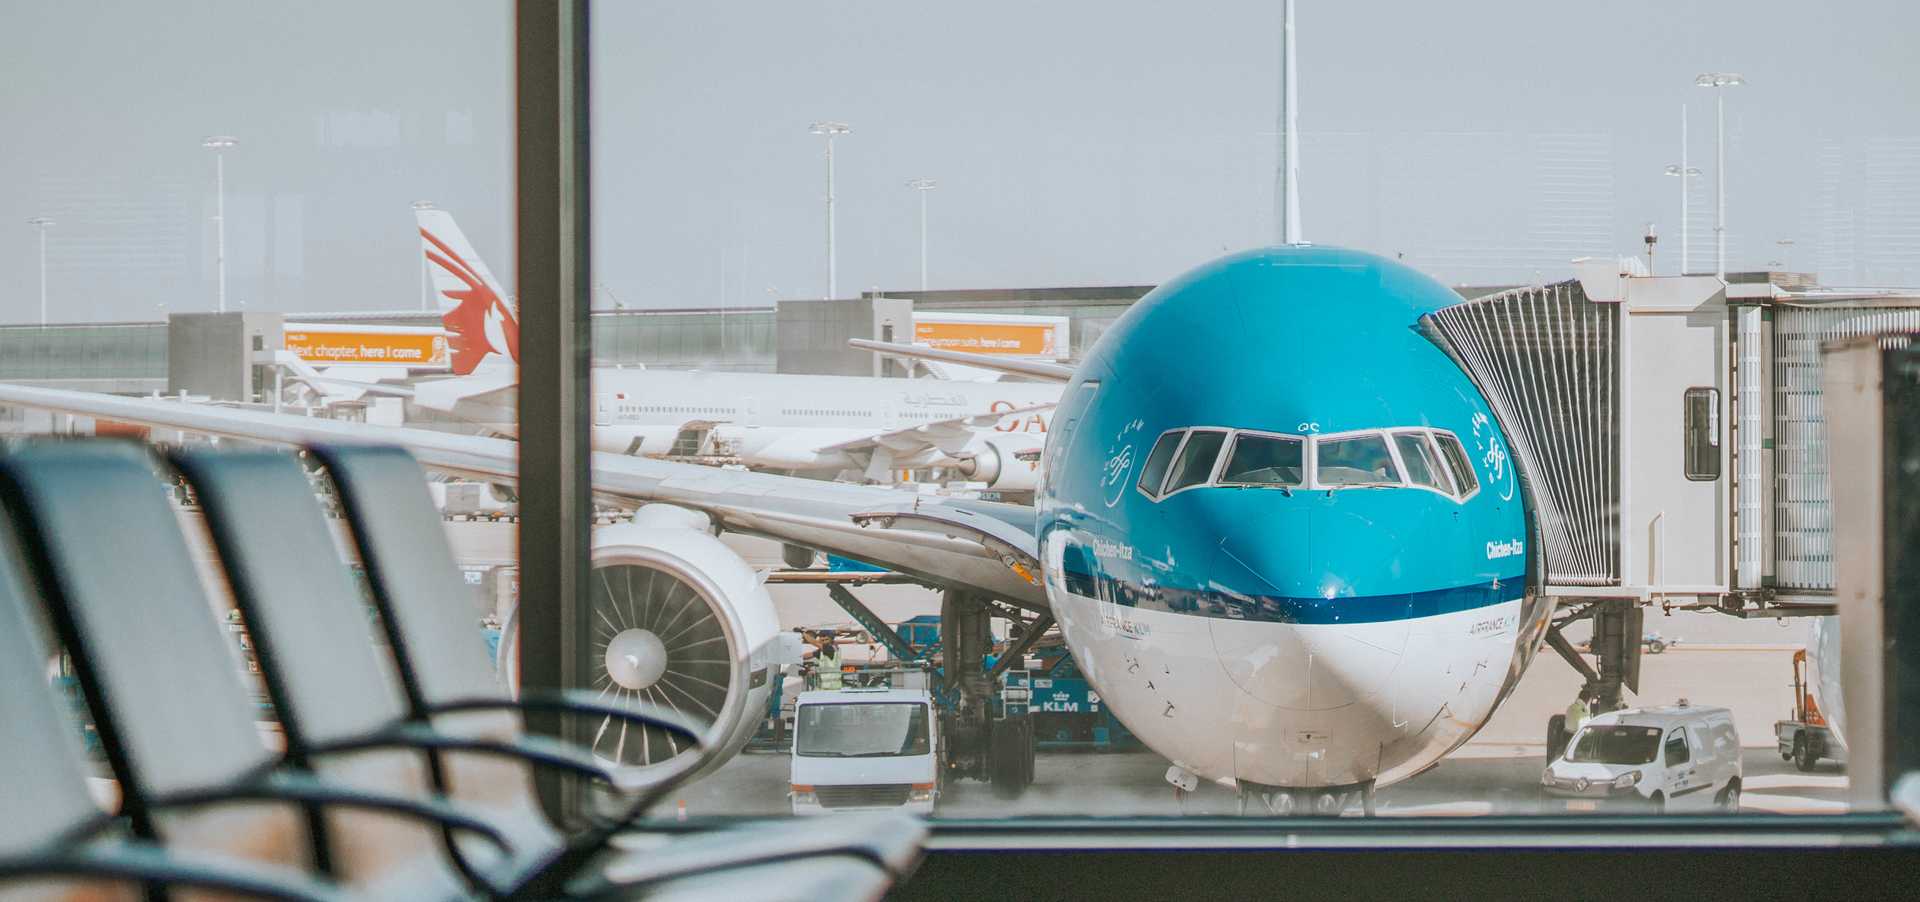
point(680, 622)
point(996, 459)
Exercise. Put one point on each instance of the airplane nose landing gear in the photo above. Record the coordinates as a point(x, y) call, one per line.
point(1281, 801)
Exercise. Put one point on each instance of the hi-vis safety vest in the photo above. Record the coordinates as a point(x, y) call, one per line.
point(1576, 716)
point(827, 668)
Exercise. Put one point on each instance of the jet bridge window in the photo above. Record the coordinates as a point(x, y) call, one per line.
point(1195, 462)
point(1264, 460)
point(1358, 460)
point(1701, 417)
point(1423, 465)
point(1154, 474)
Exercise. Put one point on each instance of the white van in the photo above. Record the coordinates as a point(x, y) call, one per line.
point(865, 749)
point(1675, 758)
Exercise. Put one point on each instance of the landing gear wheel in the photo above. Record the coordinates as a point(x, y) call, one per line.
point(1031, 747)
point(1556, 736)
point(1804, 758)
point(1007, 760)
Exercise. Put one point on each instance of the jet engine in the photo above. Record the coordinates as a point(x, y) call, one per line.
point(680, 622)
point(1006, 462)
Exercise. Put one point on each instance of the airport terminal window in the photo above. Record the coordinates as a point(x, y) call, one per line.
point(1416, 453)
point(1155, 472)
point(1264, 460)
point(1360, 460)
point(1458, 463)
point(1196, 459)
point(1702, 425)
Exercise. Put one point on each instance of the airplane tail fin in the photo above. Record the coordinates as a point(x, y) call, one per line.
point(472, 304)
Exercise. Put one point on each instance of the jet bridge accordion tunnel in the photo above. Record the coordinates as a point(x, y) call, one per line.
point(1670, 431)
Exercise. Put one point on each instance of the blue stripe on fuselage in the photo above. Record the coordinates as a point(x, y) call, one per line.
point(1302, 610)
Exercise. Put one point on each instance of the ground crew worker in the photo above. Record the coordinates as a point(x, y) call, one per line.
point(826, 662)
point(1577, 714)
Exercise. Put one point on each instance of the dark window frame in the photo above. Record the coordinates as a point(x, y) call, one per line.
point(1701, 462)
point(1140, 484)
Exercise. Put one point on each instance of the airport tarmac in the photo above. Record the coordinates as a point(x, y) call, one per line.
point(1475, 781)
point(1497, 773)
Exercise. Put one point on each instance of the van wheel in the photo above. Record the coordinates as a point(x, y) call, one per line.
point(1658, 803)
point(1730, 797)
point(1803, 756)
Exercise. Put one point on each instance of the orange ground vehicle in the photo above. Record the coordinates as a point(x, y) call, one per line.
point(1804, 737)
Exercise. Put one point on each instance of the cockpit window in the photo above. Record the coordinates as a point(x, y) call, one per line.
point(1196, 459)
point(1356, 460)
point(1456, 454)
point(1264, 460)
point(1421, 461)
point(1155, 472)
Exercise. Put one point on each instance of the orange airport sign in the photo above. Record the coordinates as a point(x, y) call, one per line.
point(1021, 339)
point(391, 348)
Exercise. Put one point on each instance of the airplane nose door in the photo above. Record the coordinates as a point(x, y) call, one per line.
point(603, 405)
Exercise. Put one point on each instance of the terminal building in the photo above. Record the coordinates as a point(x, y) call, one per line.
point(218, 355)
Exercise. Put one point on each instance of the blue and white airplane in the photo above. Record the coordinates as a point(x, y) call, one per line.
point(1278, 528)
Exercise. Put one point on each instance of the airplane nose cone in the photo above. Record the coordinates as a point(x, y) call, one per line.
point(1305, 640)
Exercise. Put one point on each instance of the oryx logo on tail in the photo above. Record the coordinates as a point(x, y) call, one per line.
point(477, 319)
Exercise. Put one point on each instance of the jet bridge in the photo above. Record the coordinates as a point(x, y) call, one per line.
point(1670, 436)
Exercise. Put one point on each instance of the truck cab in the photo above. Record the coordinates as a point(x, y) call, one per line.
point(864, 749)
point(1671, 758)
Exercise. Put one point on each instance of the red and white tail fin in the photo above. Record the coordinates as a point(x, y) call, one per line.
point(472, 304)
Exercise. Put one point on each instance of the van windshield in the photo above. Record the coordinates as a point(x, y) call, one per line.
point(861, 730)
point(1615, 744)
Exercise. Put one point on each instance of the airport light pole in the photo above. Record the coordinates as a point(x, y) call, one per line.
point(1719, 81)
point(1685, 172)
point(42, 223)
point(1286, 200)
point(426, 275)
point(219, 144)
point(923, 186)
point(830, 129)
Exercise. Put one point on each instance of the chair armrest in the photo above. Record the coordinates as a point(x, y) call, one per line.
point(153, 864)
point(280, 786)
point(889, 842)
point(535, 750)
point(574, 701)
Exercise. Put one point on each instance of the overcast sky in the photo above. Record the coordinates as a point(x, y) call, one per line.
point(1074, 142)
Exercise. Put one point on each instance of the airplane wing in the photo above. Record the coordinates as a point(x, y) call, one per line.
point(967, 545)
point(1052, 372)
point(946, 436)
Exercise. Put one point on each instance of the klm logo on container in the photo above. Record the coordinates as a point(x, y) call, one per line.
point(1512, 548)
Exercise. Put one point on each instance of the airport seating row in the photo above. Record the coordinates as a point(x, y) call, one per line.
point(406, 770)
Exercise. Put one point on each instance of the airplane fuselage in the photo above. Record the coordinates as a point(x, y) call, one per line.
point(1342, 601)
point(786, 421)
